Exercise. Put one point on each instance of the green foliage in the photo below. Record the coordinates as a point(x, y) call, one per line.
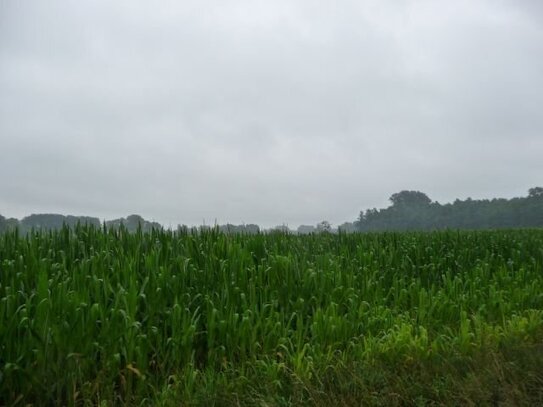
point(55, 222)
point(93, 316)
point(413, 210)
point(410, 199)
point(47, 222)
point(247, 229)
point(536, 192)
point(133, 223)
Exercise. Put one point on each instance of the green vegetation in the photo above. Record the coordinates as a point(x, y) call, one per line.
point(51, 221)
point(413, 210)
point(409, 210)
point(105, 317)
point(132, 223)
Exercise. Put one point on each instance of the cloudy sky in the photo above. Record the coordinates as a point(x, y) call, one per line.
point(265, 112)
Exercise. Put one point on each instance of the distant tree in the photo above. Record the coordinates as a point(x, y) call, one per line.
point(132, 223)
point(51, 221)
point(252, 229)
point(536, 192)
point(228, 228)
point(324, 226)
point(72, 221)
point(413, 210)
point(410, 199)
point(12, 223)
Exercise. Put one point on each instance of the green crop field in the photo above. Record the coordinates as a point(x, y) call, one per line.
point(94, 317)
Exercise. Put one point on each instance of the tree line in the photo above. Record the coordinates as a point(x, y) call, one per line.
point(414, 210)
point(409, 210)
point(47, 221)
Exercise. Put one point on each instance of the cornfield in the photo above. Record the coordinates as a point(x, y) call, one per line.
point(91, 316)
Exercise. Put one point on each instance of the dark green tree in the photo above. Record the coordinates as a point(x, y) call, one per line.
point(410, 199)
point(536, 192)
point(413, 210)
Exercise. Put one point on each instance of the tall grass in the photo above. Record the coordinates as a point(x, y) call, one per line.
point(91, 316)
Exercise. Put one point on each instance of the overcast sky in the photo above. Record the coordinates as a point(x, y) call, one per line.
point(265, 112)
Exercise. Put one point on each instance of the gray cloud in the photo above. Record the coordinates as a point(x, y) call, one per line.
point(266, 112)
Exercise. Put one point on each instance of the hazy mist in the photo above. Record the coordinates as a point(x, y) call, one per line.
point(265, 112)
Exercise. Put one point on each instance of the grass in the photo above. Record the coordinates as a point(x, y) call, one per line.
point(105, 317)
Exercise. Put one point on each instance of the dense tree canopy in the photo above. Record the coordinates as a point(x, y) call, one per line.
point(409, 199)
point(413, 210)
point(132, 223)
point(535, 192)
point(54, 221)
